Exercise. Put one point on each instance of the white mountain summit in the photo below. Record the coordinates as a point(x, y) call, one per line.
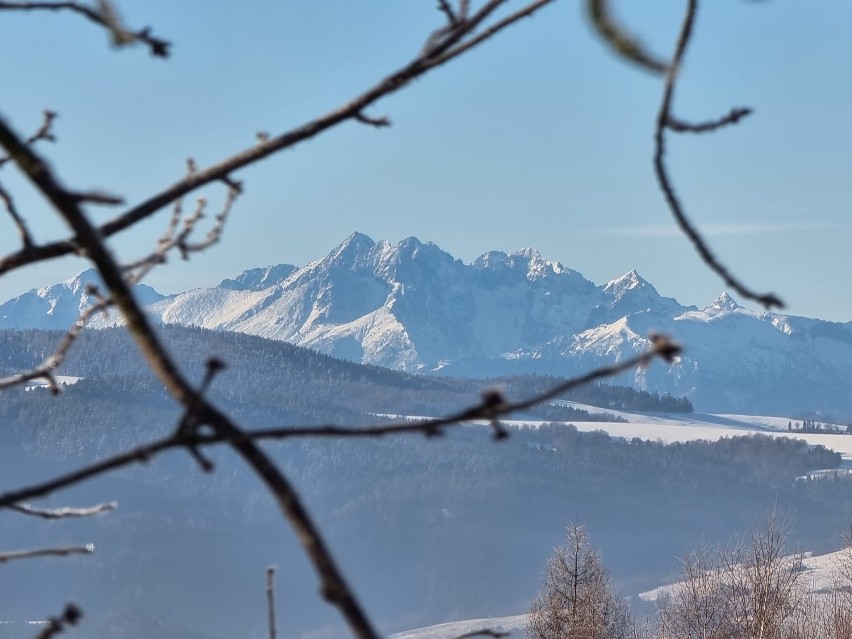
point(411, 306)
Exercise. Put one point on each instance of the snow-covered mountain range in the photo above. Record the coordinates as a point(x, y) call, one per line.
point(413, 307)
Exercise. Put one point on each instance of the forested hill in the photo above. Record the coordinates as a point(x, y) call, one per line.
point(272, 380)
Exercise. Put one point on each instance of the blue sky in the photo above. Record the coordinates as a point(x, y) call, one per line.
point(539, 138)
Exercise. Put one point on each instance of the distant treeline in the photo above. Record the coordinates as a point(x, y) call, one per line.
point(605, 396)
point(272, 380)
point(823, 426)
point(563, 413)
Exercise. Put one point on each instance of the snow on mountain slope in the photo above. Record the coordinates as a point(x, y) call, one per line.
point(59, 306)
point(412, 306)
point(257, 279)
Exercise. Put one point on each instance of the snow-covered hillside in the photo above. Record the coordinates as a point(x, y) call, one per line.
point(819, 573)
point(411, 306)
point(684, 427)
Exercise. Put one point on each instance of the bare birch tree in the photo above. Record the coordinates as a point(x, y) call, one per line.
point(696, 607)
point(750, 591)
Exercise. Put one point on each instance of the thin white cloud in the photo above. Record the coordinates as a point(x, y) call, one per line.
point(712, 229)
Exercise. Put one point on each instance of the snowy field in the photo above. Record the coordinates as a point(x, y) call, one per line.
point(684, 427)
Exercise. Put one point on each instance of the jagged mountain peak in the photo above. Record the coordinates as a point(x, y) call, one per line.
point(410, 243)
point(491, 260)
point(59, 306)
point(75, 285)
point(411, 305)
point(358, 239)
point(630, 281)
point(526, 260)
point(536, 265)
point(353, 247)
point(411, 247)
point(527, 252)
point(723, 303)
point(257, 279)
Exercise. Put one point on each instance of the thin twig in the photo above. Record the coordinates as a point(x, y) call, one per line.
point(63, 513)
point(270, 600)
point(214, 234)
point(445, 8)
point(44, 132)
point(380, 122)
point(23, 231)
point(524, 12)
point(140, 454)
point(106, 18)
point(733, 117)
point(664, 119)
point(64, 551)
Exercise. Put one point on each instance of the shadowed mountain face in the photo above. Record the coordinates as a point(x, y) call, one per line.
point(413, 307)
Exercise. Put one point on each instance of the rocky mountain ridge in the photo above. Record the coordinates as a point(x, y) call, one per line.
point(413, 307)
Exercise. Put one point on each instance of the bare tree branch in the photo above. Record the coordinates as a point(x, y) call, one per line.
point(383, 121)
point(44, 132)
point(64, 551)
point(664, 121)
point(55, 625)
point(64, 513)
point(23, 231)
point(446, 8)
point(733, 117)
point(97, 197)
point(104, 16)
point(524, 12)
